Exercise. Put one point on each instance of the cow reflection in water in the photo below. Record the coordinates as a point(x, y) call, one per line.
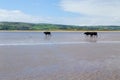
point(47, 35)
point(91, 36)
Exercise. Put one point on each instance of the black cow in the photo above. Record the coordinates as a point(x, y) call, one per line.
point(47, 33)
point(91, 34)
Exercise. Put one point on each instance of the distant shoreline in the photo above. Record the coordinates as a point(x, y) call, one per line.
point(54, 31)
point(31, 27)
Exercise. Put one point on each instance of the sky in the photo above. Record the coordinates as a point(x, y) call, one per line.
point(69, 12)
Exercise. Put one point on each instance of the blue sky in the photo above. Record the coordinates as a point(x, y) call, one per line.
point(33, 7)
point(72, 12)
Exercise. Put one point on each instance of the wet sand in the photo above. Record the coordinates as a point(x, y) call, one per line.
point(84, 61)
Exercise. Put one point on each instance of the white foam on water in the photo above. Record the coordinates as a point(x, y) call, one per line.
point(56, 43)
point(47, 43)
point(108, 42)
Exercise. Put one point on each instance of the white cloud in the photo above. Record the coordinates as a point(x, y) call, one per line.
point(19, 16)
point(92, 14)
point(96, 12)
point(93, 7)
point(87, 21)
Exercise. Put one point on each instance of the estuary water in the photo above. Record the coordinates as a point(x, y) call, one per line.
point(36, 38)
point(62, 56)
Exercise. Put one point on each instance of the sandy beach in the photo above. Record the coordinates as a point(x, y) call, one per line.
point(58, 60)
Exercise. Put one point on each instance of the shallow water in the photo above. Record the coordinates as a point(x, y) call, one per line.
point(63, 56)
point(36, 38)
point(60, 62)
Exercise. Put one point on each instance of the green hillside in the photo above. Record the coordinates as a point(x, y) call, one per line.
point(41, 26)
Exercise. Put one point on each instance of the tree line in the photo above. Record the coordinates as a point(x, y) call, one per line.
point(42, 26)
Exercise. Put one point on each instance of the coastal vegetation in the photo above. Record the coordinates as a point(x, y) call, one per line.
point(53, 27)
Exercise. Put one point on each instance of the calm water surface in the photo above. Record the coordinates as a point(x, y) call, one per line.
point(69, 61)
point(17, 38)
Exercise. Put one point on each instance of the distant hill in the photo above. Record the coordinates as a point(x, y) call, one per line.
point(42, 26)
